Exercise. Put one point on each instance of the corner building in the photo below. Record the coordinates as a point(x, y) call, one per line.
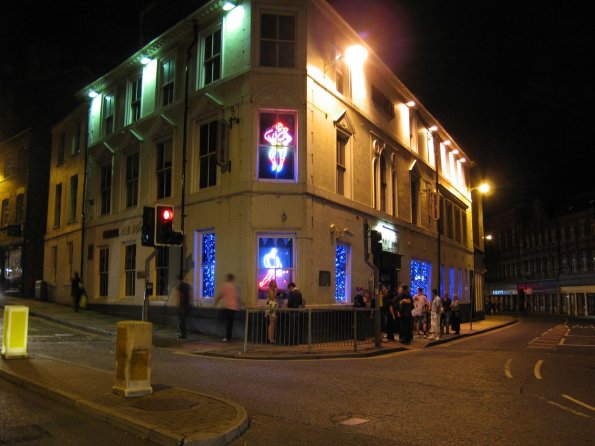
point(295, 139)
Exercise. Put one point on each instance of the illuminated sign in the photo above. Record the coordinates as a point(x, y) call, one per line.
point(503, 292)
point(390, 238)
point(276, 146)
point(275, 261)
point(279, 138)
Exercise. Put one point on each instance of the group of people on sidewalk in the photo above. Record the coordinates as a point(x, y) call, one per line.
point(405, 315)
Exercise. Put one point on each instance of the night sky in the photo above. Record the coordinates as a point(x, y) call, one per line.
point(509, 80)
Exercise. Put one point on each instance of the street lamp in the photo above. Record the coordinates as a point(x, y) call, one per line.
point(482, 188)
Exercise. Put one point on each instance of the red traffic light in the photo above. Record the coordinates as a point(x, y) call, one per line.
point(167, 214)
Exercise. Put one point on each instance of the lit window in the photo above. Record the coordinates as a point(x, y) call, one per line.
point(342, 273)
point(277, 145)
point(275, 262)
point(421, 276)
point(212, 57)
point(277, 41)
point(207, 265)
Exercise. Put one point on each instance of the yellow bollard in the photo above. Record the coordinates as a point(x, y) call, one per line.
point(133, 358)
point(14, 335)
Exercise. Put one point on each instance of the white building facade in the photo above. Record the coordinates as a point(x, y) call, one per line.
point(294, 141)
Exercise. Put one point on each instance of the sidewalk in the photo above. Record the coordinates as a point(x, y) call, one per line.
point(169, 416)
point(172, 415)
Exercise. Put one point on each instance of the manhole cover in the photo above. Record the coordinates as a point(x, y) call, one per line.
point(353, 421)
point(163, 404)
point(21, 434)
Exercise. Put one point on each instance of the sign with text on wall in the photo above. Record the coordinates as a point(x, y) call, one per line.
point(390, 238)
point(434, 205)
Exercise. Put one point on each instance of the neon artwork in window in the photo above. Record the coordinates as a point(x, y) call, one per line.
point(279, 138)
point(340, 272)
point(277, 145)
point(208, 265)
point(275, 262)
point(421, 276)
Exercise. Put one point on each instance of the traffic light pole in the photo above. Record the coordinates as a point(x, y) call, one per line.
point(148, 287)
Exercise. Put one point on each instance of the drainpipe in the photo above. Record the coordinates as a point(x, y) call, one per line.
point(184, 140)
point(84, 203)
point(378, 340)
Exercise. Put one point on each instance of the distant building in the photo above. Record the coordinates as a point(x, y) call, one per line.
point(24, 167)
point(295, 141)
point(63, 237)
point(542, 262)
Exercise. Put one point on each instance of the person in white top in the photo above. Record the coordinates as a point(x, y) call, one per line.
point(436, 312)
point(420, 301)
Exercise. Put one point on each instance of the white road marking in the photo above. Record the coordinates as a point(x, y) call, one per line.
point(578, 345)
point(568, 409)
point(537, 369)
point(507, 369)
point(568, 397)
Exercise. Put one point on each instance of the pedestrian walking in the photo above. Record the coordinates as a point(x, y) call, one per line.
point(270, 311)
point(184, 291)
point(436, 310)
point(456, 316)
point(420, 302)
point(76, 290)
point(231, 302)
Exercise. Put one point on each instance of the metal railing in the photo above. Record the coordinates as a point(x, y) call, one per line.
point(311, 327)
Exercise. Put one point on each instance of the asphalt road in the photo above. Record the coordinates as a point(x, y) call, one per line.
point(532, 383)
point(30, 419)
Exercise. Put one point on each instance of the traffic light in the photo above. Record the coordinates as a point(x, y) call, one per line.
point(164, 229)
point(147, 237)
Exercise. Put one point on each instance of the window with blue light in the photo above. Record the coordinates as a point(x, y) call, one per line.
point(342, 254)
point(277, 145)
point(460, 284)
point(452, 282)
point(421, 276)
point(207, 267)
point(275, 262)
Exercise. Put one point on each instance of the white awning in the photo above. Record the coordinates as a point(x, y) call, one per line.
point(578, 289)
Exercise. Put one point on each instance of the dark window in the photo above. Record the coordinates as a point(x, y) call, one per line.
point(161, 270)
point(74, 186)
point(164, 156)
point(130, 269)
point(132, 180)
point(58, 205)
point(168, 69)
point(108, 114)
point(212, 57)
point(341, 163)
point(277, 41)
point(136, 92)
point(61, 148)
point(103, 271)
point(208, 154)
point(106, 189)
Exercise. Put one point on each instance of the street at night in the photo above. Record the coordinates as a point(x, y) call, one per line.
point(529, 383)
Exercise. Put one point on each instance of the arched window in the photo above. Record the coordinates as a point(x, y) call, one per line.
point(383, 185)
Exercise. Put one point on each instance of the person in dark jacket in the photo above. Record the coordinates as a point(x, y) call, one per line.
point(294, 300)
point(185, 296)
point(405, 316)
point(76, 290)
